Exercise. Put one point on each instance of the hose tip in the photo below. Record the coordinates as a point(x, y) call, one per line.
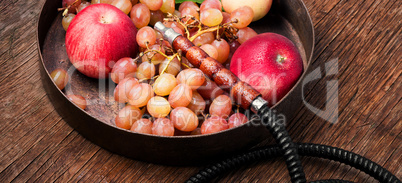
point(257, 104)
point(160, 27)
point(168, 33)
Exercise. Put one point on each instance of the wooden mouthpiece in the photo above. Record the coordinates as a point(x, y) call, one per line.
point(242, 93)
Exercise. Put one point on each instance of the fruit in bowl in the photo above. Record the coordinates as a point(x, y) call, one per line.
point(270, 63)
point(165, 84)
point(260, 7)
point(99, 35)
point(97, 122)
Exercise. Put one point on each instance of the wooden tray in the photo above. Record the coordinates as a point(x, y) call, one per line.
point(287, 17)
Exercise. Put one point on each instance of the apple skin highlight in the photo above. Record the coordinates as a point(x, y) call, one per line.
point(98, 37)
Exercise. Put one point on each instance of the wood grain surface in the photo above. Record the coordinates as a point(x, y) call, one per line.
point(36, 145)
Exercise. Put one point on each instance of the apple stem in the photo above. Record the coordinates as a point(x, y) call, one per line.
point(103, 20)
point(280, 59)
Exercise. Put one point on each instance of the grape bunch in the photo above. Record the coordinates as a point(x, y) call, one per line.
point(163, 92)
point(175, 100)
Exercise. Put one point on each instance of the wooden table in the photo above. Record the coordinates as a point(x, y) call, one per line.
point(364, 35)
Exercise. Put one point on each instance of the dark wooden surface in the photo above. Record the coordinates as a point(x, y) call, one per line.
point(365, 35)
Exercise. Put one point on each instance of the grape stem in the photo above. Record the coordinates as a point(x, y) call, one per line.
point(155, 51)
point(204, 115)
point(170, 60)
point(66, 8)
point(199, 33)
point(185, 65)
point(230, 30)
point(178, 20)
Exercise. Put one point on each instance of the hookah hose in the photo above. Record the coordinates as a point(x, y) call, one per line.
point(304, 149)
point(248, 98)
point(312, 150)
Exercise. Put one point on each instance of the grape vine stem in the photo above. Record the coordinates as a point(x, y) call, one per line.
point(66, 8)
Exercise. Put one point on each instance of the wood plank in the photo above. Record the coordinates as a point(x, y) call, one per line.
point(320, 138)
point(345, 138)
point(17, 107)
point(20, 31)
point(47, 159)
point(351, 128)
point(74, 154)
point(37, 145)
point(312, 130)
point(35, 158)
point(16, 158)
point(99, 165)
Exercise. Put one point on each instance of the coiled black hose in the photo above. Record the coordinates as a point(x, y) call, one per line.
point(290, 151)
point(312, 150)
point(280, 134)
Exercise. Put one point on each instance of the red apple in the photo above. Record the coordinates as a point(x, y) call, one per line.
point(97, 37)
point(270, 63)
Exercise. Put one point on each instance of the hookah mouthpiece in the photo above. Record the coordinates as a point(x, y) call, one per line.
point(168, 33)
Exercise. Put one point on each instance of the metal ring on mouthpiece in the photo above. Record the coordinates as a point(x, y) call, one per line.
point(168, 33)
point(257, 104)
